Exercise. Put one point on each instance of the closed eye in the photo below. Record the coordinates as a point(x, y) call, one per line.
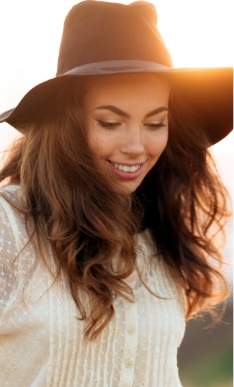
point(155, 125)
point(108, 125)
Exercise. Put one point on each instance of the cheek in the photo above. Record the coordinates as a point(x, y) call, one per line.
point(158, 144)
point(94, 141)
point(100, 146)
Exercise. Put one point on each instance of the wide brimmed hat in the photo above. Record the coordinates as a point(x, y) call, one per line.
point(101, 38)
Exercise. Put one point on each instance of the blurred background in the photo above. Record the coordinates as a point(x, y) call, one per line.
point(205, 358)
point(198, 34)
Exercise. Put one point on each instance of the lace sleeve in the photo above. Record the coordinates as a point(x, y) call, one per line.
point(13, 259)
point(24, 301)
point(8, 255)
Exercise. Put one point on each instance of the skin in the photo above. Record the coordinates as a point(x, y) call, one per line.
point(127, 123)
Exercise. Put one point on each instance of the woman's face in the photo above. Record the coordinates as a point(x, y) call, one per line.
point(127, 123)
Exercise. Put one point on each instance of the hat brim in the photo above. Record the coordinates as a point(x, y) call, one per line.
point(207, 91)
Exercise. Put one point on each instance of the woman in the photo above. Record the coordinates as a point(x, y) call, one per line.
point(109, 207)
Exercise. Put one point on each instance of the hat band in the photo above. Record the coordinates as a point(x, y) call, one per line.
point(116, 66)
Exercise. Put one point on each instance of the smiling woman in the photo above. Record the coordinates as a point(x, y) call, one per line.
point(110, 207)
point(127, 120)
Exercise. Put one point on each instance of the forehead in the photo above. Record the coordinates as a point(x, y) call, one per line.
point(123, 87)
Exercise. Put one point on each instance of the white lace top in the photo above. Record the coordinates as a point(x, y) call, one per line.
point(42, 342)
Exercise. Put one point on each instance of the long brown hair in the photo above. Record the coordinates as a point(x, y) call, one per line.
point(74, 205)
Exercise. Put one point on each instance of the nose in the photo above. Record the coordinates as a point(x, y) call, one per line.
point(132, 141)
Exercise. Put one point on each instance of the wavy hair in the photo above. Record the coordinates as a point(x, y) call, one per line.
point(75, 206)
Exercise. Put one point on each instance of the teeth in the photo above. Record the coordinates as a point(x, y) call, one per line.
point(126, 168)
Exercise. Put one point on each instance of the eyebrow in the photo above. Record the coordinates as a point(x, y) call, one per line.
point(120, 112)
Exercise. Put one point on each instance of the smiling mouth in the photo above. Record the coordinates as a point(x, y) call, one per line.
point(126, 168)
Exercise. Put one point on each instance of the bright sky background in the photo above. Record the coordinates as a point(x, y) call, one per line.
point(198, 33)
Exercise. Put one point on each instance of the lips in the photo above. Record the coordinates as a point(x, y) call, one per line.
point(126, 172)
point(126, 168)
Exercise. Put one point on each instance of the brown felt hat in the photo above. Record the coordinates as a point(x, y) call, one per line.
point(101, 38)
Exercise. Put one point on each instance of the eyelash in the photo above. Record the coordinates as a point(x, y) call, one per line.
point(108, 125)
point(112, 125)
point(156, 126)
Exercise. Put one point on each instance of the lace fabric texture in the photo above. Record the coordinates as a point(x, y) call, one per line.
point(42, 343)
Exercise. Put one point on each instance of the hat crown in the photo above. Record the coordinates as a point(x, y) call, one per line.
point(97, 31)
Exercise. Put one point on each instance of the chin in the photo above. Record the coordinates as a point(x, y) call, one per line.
point(126, 189)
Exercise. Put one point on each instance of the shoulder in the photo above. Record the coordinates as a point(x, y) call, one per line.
point(9, 197)
point(18, 238)
point(12, 239)
point(13, 234)
point(11, 218)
